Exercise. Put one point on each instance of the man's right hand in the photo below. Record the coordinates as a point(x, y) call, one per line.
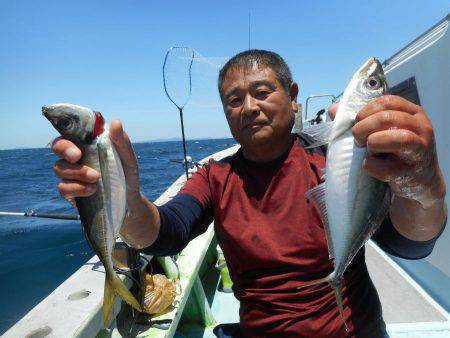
point(78, 180)
point(141, 225)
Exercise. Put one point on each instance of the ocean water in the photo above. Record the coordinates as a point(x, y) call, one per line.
point(36, 255)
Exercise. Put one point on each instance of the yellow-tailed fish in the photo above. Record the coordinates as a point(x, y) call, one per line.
point(102, 213)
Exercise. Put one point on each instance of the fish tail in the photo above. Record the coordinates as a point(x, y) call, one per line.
point(336, 284)
point(115, 286)
point(108, 302)
point(121, 289)
point(327, 279)
point(337, 287)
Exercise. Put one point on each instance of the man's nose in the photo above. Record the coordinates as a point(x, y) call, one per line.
point(250, 105)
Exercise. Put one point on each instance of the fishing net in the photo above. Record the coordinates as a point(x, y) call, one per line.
point(177, 75)
point(189, 78)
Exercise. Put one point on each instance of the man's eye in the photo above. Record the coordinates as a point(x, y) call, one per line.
point(234, 101)
point(263, 93)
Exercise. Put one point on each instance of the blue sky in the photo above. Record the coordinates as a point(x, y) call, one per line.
point(108, 55)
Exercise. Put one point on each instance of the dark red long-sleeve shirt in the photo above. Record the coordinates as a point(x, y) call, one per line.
point(274, 242)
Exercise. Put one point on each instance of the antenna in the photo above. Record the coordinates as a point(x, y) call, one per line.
point(249, 27)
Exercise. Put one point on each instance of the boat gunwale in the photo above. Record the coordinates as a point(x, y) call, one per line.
point(37, 319)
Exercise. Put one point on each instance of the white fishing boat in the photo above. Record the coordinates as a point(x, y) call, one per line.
point(414, 294)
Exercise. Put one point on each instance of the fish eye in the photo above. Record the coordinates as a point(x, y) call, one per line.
point(64, 123)
point(373, 83)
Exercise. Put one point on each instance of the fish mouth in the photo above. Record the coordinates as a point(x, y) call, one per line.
point(370, 67)
point(46, 111)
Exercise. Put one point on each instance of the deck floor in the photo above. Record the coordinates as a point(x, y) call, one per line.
point(224, 306)
point(401, 301)
point(407, 311)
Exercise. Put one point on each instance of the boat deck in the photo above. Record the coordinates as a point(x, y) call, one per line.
point(408, 311)
point(74, 308)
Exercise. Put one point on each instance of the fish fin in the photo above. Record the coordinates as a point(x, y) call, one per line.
point(337, 287)
point(378, 218)
point(86, 229)
point(317, 195)
point(103, 158)
point(324, 174)
point(373, 223)
point(321, 133)
point(111, 171)
point(108, 302)
point(328, 279)
point(121, 289)
point(103, 161)
point(320, 281)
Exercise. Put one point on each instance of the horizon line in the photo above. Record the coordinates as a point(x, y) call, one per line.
point(157, 140)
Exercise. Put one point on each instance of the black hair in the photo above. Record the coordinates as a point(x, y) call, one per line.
point(263, 58)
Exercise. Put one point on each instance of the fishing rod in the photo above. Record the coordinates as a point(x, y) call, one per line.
point(69, 217)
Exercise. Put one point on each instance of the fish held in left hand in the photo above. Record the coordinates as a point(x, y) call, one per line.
point(102, 213)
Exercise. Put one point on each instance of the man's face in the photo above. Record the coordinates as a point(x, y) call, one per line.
point(257, 107)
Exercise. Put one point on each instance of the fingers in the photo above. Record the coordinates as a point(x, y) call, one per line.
point(388, 102)
point(126, 153)
point(66, 150)
point(71, 189)
point(77, 172)
point(332, 110)
point(403, 143)
point(385, 120)
point(401, 132)
point(77, 180)
point(385, 169)
point(123, 145)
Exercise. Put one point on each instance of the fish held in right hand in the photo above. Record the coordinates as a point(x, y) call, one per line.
point(102, 213)
point(77, 180)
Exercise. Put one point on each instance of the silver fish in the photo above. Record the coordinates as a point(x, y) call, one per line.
point(351, 203)
point(102, 213)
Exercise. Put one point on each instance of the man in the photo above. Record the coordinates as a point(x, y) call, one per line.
point(271, 236)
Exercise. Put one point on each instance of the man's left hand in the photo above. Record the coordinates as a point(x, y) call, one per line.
point(401, 148)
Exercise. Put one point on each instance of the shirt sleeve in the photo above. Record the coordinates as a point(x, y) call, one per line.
point(394, 243)
point(184, 217)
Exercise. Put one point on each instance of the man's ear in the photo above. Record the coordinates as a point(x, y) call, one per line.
point(293, 95)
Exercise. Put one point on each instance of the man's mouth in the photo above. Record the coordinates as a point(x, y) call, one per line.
point(255, 124)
